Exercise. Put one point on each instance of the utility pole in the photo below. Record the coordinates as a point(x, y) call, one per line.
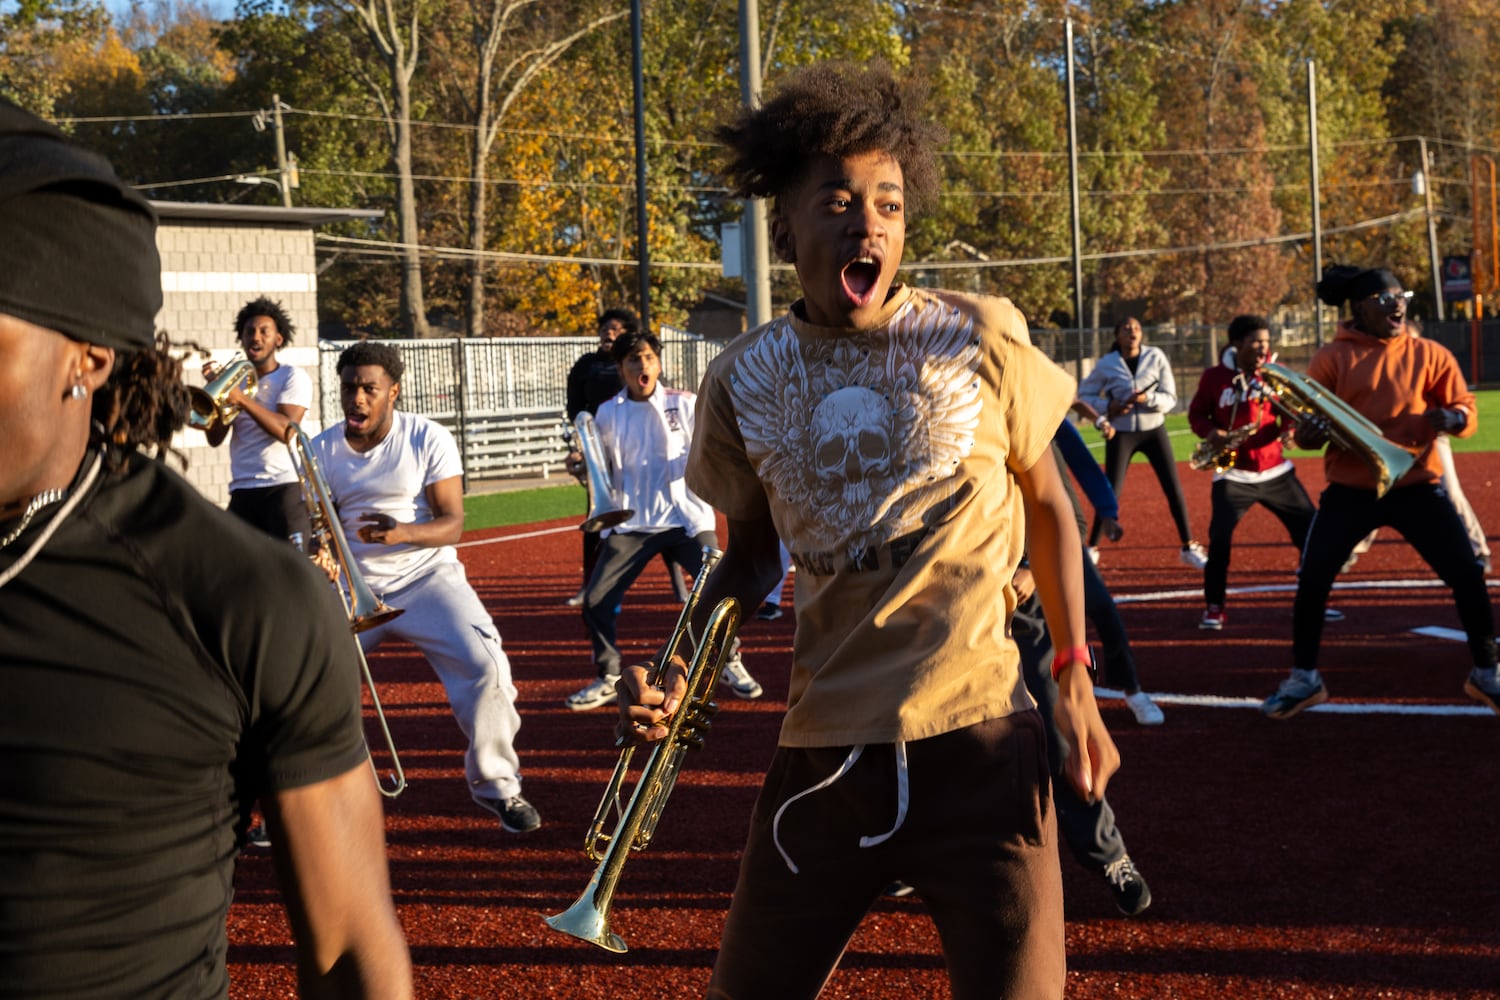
point(283, 170)
point(642, 226)
point(1425, 173)
point(1073, 184)
point(1317, 211)
point(757, 263)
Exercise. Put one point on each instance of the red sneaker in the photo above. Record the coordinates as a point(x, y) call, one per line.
point(1213, 618)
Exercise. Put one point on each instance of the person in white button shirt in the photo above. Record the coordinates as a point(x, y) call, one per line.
point(263, 488)
point(397, 481)
point(645, 431)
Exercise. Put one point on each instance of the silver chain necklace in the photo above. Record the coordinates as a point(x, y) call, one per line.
point(39, 501)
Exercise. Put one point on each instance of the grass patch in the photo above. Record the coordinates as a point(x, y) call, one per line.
point(499, 510)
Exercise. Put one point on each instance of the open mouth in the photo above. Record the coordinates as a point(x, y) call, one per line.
point(356, 421)
point(859, 278)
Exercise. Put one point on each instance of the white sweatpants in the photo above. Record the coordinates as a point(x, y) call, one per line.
point(446, 621)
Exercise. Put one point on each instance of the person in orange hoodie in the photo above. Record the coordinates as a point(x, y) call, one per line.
point(1412, 389)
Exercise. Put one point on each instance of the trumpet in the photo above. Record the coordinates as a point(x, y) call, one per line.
point(364, 609)
point(209, 406)
point(605, 509)
point(588, 918)
point(1300, 398)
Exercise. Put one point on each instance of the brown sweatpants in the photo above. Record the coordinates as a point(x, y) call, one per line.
point(978, 843)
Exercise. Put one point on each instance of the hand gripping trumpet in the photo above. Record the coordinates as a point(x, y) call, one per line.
point(588, 918)
point(365, 610)
point(209, 406)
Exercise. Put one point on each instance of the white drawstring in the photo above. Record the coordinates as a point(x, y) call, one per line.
point(903, 798)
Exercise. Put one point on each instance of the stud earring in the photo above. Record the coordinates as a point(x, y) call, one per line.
point(78, 391)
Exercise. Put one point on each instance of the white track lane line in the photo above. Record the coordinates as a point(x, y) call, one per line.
point(517, 538)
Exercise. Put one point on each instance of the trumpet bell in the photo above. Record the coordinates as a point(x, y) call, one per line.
point(1301, 397)
point(209, 406)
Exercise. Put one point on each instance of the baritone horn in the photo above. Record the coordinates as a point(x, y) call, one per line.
point(605, 509)
point(1300, 398)
point(363, 608)
point(588, 918)
point(209, 406)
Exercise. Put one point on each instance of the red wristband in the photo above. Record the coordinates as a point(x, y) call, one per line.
point(1078, 654)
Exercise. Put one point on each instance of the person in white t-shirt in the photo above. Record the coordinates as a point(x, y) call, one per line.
point(263, 488)
point(645, 431)
point(397, 481)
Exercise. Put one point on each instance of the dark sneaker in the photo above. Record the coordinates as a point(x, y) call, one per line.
point(898, 890)
point(1303, 689)
point(598, 692)
point(1132, 895)
point(1213, 618)
point(516, 814)
point(1484, 687)
point(769, 611)
point(258, 835)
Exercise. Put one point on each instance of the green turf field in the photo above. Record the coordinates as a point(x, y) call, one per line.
point(494, 510)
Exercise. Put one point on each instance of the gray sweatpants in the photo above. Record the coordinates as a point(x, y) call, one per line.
point(446, 621)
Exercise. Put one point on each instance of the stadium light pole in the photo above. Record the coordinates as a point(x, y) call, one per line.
point(642, 229)
point(1073, 187)
point(1317, 211)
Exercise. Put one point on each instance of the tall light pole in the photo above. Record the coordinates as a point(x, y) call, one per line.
point(1073, 183)
point(1317, 209)
point(642, 226)
point(757, 263)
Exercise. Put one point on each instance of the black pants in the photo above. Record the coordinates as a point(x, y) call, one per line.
point(1087, 828)
point(1425, 517)
point(1118, 668)
point(1157, 447)
point(277, 510)
point(1283, 496)
point(622, 557)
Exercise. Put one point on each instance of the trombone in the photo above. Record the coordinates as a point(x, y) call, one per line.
point(209, 407)
point(588, 918)
point(605, 509)
point(364, 609)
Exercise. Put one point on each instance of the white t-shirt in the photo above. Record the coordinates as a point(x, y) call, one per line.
point(647, 444)
point(391, 478)
point(256, 459)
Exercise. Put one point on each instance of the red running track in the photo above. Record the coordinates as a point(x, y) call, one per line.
point(1340, 855)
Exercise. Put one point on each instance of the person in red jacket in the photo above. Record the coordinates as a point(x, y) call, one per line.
point(1412, 389)
point(1233, 403)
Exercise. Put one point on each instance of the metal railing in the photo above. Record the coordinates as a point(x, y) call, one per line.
point(504, 398)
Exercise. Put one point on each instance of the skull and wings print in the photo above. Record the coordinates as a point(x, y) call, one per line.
point(862, 433)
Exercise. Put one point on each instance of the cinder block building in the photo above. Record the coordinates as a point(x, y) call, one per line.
point(214, 259)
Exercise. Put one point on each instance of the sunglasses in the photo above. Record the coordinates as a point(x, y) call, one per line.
point(1388, 300)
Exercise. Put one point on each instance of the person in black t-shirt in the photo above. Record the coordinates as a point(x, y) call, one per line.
point(163, 667)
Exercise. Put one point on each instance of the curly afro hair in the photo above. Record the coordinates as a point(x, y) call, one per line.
point(272, 311)
point(836, 109)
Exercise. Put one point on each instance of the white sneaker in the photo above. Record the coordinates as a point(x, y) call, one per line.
point(600, 691)
point(1194, 555)
point(1146, 711)
point(1094, 554)
point(739, 680)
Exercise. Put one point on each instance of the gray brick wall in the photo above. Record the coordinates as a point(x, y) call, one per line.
point(210, 270)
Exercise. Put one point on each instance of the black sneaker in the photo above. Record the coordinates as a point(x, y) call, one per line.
point(516, 814)
point(769, 611)
point(258, 835)
point(1132, 895)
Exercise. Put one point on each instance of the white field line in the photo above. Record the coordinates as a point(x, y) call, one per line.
point(517, 538)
